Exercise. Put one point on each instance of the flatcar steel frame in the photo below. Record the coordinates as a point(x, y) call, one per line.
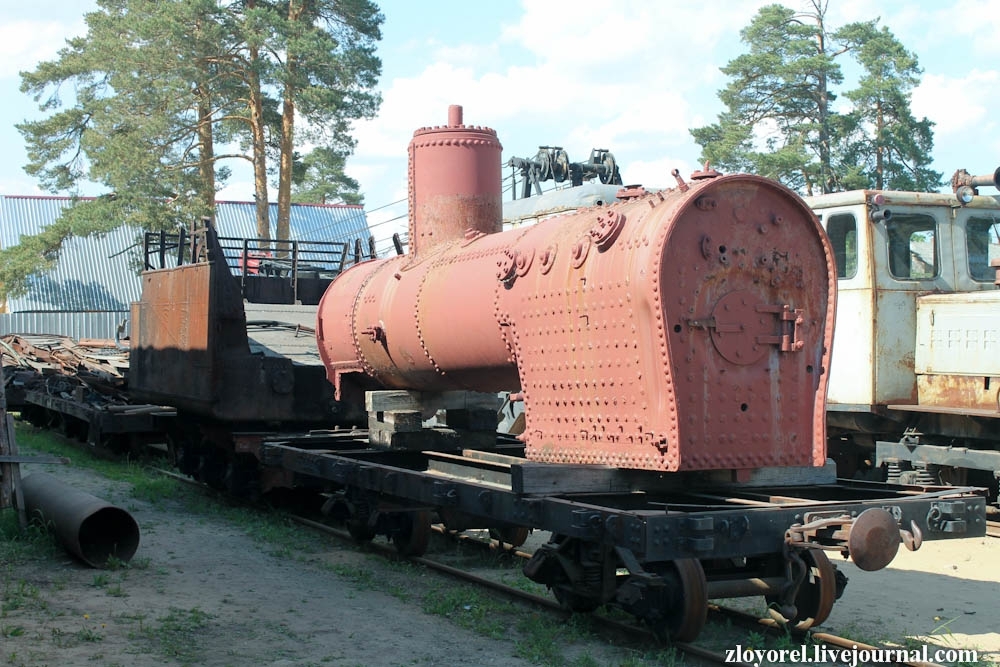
point(679, 520)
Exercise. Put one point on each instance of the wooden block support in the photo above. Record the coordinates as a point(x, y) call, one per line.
point(395, 419)
point(429, 402)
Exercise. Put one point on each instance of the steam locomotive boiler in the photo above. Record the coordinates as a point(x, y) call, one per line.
point(678, 331)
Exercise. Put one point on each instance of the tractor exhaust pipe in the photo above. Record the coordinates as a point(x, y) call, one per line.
point(87, 526)
point(965, 185)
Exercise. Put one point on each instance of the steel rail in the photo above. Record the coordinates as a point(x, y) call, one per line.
point(548, 604)
point(773, 625)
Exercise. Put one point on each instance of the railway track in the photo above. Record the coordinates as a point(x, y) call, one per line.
point(629, 631)
point(622, 630)
point(634, 632)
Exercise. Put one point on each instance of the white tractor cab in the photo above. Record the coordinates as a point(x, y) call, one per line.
point(916, 357)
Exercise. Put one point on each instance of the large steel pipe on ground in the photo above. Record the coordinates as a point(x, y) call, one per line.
point(89, 527)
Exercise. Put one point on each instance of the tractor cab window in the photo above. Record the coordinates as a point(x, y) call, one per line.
point(912, 247)
point(842, 229)
point(982, 240)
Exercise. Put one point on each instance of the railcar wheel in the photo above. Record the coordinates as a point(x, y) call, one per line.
point(815, 600)
point(413, 534)
point(514, 536)
point(579, 591)
point(685, 607)
point(818, 591)
point(360, 531)
point(241, 477)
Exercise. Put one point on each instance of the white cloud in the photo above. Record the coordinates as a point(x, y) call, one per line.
point(20, 186)
point(958, 105)
point(635, 80)
point(970, 27)
point(566, 73)
point(24, 44)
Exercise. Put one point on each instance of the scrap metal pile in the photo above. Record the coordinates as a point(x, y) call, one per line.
point(87, 371)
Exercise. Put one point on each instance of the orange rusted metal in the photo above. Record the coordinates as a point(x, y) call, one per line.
point(688, 329)
point(455, 190)
point(194, 347)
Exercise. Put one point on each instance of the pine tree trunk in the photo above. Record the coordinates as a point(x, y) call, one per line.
point(287, 144)
point(259, 150)
point(285, 167)
point(206, 161)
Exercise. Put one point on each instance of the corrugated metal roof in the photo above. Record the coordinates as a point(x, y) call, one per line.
point(99, 274)
point(93, 274)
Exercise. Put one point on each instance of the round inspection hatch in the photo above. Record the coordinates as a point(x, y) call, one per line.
point(738, 324)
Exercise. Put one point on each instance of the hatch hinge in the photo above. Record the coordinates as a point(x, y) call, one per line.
point(791, 319)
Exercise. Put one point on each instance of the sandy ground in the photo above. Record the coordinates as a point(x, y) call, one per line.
point(947, 593)
point(204, 592)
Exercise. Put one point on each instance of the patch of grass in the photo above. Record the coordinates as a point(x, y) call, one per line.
point(142, 563)
point(541, 640)
point(116, 591)
point(11, 631)
point(668, 657)
point(17, 546)
point(123, 567)
point(41, 441)
point(863, 634)
point(756, 640)
point(363, 578)
point(153, 487)
point(467, 607)
point(100, 580)
point(519, 581)
point(17, 594)
point(146, 484)
point(270, 528)
point(176, 633)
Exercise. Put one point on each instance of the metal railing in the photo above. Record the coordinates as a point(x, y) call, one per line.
point(249, 258)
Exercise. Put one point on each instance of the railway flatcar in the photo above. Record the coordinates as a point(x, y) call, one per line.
point(671, 352)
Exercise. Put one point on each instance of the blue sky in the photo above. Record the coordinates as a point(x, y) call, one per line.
point(632, 77)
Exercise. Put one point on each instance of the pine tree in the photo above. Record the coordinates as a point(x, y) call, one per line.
point(156, 85)
point(779, 119)
point(328, 69)
point(883, 144)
